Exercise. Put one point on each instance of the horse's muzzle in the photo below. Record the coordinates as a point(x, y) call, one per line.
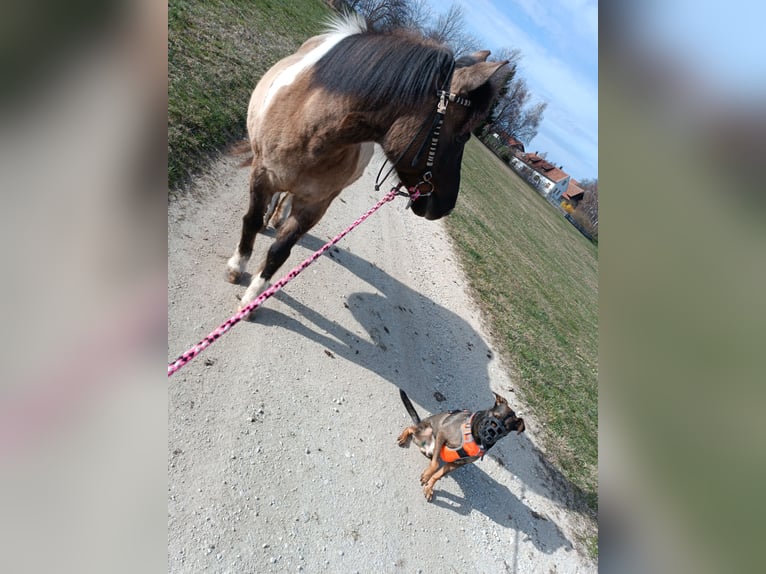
point(430, 207)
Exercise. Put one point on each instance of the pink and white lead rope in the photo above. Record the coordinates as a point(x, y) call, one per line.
point(245, 311)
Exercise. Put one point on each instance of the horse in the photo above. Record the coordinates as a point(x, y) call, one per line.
point(314, 117)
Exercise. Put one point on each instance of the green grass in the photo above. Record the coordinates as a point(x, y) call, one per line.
point(217, 50)
point(536, 278)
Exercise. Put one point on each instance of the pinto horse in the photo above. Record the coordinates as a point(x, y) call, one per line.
point(314, 116)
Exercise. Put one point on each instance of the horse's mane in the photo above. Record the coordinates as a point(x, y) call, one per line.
point(384, 67)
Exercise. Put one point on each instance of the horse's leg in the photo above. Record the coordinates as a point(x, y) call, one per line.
point(275, 199)
point(252, 222)
point(302, 218)
point(283, 209)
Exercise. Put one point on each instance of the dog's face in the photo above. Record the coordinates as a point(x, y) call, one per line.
point(497, 422)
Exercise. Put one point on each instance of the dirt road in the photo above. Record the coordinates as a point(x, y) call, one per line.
point(282, 452)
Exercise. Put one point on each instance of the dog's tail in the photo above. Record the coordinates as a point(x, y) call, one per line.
point(409, 407)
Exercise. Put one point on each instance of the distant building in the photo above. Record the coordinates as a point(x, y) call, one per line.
point(574, 192)
point(517, 147)
point(550, 180)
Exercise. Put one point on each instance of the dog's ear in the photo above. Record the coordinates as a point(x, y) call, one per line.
point(499, 400)
point(519, 426)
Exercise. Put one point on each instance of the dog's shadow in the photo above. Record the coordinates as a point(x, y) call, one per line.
point(482, 493)
point(405, 351)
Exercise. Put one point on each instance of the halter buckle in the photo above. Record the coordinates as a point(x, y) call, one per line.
point(441, 106)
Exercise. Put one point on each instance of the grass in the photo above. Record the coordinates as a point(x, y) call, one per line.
point(534, 275)
point(536, 279)
point(217, 50)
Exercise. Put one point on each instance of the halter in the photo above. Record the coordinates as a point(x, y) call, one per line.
point(415, 192)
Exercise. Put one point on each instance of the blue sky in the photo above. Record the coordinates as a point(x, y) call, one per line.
point(559, 44)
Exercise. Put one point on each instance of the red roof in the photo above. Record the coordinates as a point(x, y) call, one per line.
point(509, 140)
point(544, 167)
point(573, 191)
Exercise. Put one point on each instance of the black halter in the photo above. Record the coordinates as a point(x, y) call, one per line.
point(436, 125)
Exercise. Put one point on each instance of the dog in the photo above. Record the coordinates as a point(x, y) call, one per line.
point(457, 437)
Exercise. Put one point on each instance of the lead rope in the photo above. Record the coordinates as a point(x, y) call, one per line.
point(258, 301)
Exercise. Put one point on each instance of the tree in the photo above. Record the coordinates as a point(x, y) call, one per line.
point(513, 113)
point(387, 14)
point(449, 29)
point(587, 210)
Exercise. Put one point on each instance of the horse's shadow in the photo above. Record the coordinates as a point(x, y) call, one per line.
point(484, 494)
point(387, 351)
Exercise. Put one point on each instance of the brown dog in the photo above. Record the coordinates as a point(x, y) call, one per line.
point(457, 437)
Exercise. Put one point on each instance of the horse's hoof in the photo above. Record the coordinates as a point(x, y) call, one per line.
point(233, 276)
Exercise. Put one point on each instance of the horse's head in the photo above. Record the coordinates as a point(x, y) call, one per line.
point(434, 184)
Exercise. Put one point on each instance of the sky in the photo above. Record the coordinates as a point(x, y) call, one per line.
point(559, 44)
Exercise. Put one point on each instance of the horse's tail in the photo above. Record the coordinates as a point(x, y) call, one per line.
point(242, 148)
point(409, 407)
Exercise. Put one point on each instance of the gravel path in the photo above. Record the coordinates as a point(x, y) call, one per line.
point(282, 452)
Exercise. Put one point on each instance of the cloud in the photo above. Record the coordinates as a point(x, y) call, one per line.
point(570, 125)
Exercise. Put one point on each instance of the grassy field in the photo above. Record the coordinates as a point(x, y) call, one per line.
point(536, 278)
point(533, 273)
point(217, 50)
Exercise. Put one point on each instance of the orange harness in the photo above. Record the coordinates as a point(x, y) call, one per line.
point(467, 449)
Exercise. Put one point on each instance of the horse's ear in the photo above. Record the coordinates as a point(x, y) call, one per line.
point(477, 75)
point(481, 55)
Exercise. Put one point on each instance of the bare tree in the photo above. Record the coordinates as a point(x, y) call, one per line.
point(513, 113)
point(419, 14)
point(587, 210)
point(513, 55)
point(531, 118)
point(449, 29)
point(382, 14)
point(448, 25)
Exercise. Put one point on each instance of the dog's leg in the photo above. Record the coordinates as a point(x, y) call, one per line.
point(434, 464)
point(428, 488)
point(406, 436)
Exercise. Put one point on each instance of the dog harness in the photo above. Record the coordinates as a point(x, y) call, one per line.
point(469, 447)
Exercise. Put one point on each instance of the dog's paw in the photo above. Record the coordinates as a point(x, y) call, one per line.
point(425, 477)
point(428, 491)
point(404, 439)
